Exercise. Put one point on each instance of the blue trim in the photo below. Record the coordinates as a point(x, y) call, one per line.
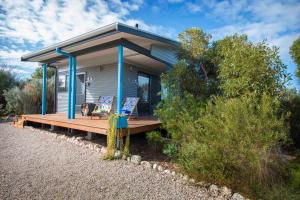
point(120, 79)
point(71, 111)
point(59, 51)
point(70, 88)
point(44, 89)
point(74, 87)
point(122, 122)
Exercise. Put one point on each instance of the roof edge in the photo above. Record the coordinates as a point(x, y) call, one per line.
point(114, 27)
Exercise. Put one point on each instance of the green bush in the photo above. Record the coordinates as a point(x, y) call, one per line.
point(155, 139)
point(27, 100)
point(232, 141)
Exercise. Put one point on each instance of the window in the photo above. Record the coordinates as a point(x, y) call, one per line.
point(62, 83)
point(143, 87)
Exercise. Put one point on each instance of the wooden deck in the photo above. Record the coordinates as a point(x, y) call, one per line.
point(95, 125)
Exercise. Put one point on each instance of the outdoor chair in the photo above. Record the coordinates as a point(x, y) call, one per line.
point(103, 106)
point(129, 106)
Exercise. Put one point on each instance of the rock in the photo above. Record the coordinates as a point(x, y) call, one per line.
point(103, 150)
point(136, 159)
point(185, 177)
point(173, 173)
point(117, 154)
point(225, 192)
point(124, 157)
point(213, 190)
point(192, 180)
point(128, 159)
point(146, 164)
point(154, 166)
point(237, 196)
point(167, 171)
point(159, 168)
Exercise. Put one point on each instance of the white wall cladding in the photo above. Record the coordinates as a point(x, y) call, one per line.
point(164, 53)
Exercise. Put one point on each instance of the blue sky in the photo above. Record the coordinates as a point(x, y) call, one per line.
point(30, 25)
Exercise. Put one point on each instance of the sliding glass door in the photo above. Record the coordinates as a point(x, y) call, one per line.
point(144, 94)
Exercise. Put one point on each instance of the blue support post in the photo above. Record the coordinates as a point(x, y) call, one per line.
point(44, 89)
point(120, 79)
point(70, 88)
point(74, 87)
point(72, 67)
point(122, 120)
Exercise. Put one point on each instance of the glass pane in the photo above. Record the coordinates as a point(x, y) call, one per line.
point(62, 84)
point(143, 88)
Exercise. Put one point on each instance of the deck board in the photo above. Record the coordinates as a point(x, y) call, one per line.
point(95, 125)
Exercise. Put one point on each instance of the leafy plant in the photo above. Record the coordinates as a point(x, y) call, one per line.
point(112, 134)
point(155, 139)
point(170, 150)
point(111, 137)
point(126, 150)
point(295, 53)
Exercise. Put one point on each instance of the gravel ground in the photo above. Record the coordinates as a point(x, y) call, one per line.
point(38, 166)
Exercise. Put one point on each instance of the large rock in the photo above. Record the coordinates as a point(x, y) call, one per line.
point(136, 159)
point(118, 154)
point(225, 192)
point(146, 164)
point(237, 196)
point(154, 166)
point(160, 168)
point(213, 190)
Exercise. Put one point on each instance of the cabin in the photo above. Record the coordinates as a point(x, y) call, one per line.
point(115, 60)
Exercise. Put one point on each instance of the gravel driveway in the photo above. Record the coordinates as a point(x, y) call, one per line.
point(38, 166)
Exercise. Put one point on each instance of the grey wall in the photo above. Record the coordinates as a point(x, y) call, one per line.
point(103, 81)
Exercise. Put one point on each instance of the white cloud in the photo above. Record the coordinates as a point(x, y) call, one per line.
point(274, 21)
point(193, 7)
point(39, 23)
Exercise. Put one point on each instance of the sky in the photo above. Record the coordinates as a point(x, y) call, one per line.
point(27, 26)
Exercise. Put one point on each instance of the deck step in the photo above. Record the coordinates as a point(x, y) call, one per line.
point(19, 123)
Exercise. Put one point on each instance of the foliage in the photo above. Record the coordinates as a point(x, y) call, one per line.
point(227, 127)
point(8, 80)
point(291, 106)
point(38, 73)
point(246, 67)
point(126, 150)
point(13, 98)
point(170, 149)
point(111, 137)
point(28, 99)
point(295, 53)
point(155, 139)
point(235, 142)
point(195, 72)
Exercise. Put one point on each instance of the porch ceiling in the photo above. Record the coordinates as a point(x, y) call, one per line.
point(110, 56)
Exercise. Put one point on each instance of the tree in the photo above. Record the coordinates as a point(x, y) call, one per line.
point(295, 53)
point(8, 80)
point(38, 73)
point(195, 72)
point(246, 67)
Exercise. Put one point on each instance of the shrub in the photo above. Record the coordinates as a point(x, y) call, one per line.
point(232, 141)
point(155, 139)
point(28, 99)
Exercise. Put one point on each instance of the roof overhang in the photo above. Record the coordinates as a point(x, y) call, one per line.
point(106, 37)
